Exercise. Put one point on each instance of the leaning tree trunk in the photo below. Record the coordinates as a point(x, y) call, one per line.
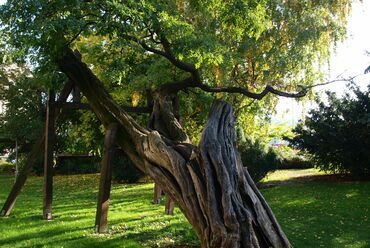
point(209, 182)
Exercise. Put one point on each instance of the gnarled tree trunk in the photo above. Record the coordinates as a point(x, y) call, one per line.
point(209, 182)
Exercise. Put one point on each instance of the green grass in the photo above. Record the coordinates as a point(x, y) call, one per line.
point(323, 214)
point(6, 167)
point(283, 175)
point(134, 221)
point(313, 214)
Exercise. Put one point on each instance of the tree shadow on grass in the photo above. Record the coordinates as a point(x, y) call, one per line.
point(133, 220)
point(322, 213)
point(38, 234)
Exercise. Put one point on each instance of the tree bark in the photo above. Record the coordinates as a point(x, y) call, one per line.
point(157, 194)
point(101, 219)
point(170, 206)
point(49, 157)
point(208, 183)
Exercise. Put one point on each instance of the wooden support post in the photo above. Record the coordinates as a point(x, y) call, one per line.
point(170, 205)
point(101, 220)
point(48, 156)
point(16, 161)
point(37, 149)
point(22, 177)
point(76, 94)
point(157, 194)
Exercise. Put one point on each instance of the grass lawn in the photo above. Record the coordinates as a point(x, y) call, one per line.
point(290, 175)
point(312, 213)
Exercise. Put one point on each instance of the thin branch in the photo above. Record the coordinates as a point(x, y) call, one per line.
point(79, 32)
point(237, 111)
point(333, 81)
point(367, 70)
point(166, 53)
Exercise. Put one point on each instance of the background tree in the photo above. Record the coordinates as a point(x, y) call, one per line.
point(175, 48)
point(23, 105)
point(337, 133)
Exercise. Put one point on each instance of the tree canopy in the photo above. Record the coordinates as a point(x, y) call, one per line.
point(135, 46)
point(248, 44)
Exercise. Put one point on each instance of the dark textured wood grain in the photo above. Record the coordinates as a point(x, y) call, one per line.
point(49, 157)
point(101, 219)
point(208, 183)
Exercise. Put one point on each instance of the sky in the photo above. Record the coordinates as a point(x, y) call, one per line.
point(349, 59)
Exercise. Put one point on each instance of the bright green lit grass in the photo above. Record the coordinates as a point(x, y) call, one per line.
point(323, 214)
point(282, 175)
point(313, 214)
point(134, 221)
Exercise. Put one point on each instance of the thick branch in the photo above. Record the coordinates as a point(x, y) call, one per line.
point(168, 54)
point(191, 83)
point(246, 92)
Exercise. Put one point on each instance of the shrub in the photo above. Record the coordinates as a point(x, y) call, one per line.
point(292, 158)
point(124, 171)
point(258, 159)
point(6, 168)
point(337, 134)
point(296, 163)
point(78, 165)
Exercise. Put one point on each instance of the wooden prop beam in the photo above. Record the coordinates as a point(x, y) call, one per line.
point(170, 204)
point(157, 194)
point(76, 94)
point(22, 177)
point(101, 220)
point(48, 156)
point(37, 149)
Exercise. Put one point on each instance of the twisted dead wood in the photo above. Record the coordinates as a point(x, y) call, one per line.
point(209, 183)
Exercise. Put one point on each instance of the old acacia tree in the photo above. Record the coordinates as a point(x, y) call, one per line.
point(175, 55)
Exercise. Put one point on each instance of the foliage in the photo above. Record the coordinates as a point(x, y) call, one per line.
point(24, 116)
point(6, 167)
point(245, 43)
point(258, 159)
point(261, 134)
point(314, 214)
point(22, 119)
point(297, 162)
point(79, 132)
point(24, 105)
point(78, 165)
point(337, 134)
point(292, 158)
point(124, 171)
